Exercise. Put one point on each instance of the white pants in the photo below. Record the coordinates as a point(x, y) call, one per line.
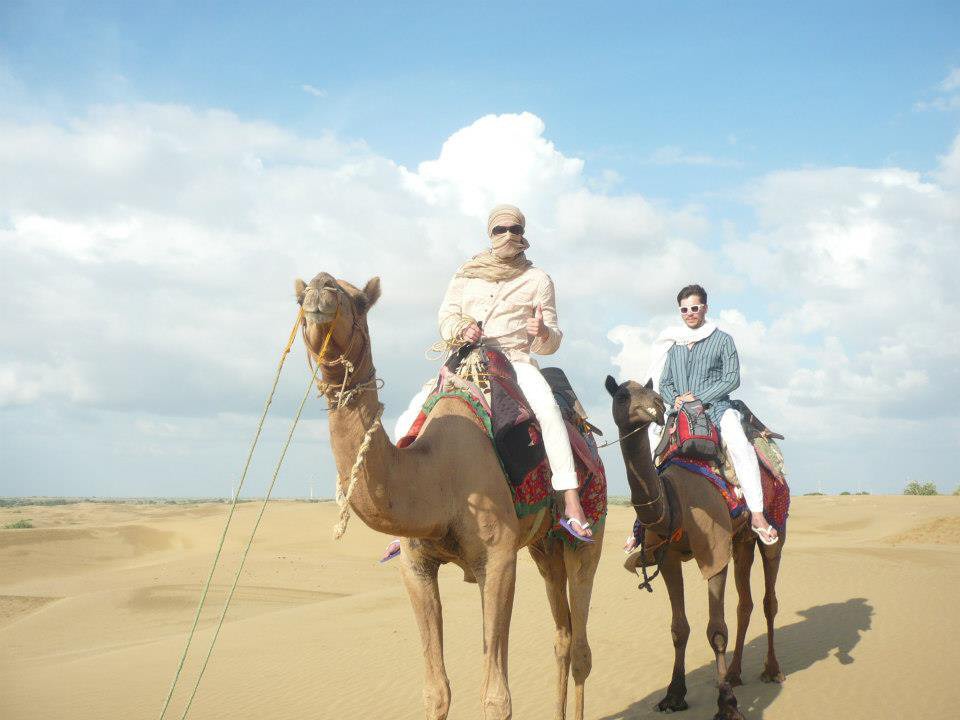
point(544, 405)
point(744, 459)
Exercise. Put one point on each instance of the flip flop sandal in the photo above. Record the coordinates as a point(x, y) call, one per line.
point(567, 524)
point(764, 534)
point(392, 554)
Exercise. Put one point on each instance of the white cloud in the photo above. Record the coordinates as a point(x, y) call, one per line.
point(948, 97)
point(151, 283)
point(312, 90)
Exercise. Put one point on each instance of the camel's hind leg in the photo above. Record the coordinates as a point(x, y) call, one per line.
point(581, 564)
point(420, 577)
point(770, 554)
point(672, 573)
point(548, 554)
point(497, 579)
point(742, 563)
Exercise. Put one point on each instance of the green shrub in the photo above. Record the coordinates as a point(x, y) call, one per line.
point(918, 488)
point(957, 491)
point(18, 525)
point(845, 492)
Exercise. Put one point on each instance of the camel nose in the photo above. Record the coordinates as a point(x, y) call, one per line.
point(320, 295)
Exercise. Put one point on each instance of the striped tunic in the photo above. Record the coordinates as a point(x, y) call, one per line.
point(710, 370)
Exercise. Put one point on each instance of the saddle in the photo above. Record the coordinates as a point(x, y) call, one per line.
point(485, 380)
point(720, 472)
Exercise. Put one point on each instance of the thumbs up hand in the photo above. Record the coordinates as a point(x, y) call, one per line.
point(535, 325)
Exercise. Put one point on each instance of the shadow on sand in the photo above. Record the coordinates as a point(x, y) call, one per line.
point(825, 630)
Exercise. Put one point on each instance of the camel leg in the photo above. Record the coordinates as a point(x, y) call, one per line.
point(420, 578)
point(770, 554)
point(549, 559)
point(581, 564)
point(497, 579)
point(672, 573)
point(717, 637)
point(742, 563)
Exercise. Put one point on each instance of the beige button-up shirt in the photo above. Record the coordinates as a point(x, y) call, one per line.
point(503, 308)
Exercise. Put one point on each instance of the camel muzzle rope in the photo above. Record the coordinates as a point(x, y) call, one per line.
point(233, 505)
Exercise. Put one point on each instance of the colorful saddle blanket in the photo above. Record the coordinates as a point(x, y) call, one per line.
point(776, 492)
point(503, 411)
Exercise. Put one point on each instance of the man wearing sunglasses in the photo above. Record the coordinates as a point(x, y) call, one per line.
point(499, 296)
point(514, 303)
point(698, 361)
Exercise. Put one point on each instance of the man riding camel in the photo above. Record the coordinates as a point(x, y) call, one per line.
point(698, 362)
point(500, 297)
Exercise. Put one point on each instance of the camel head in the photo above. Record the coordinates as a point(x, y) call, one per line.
point(634, 404)
point(324, 299)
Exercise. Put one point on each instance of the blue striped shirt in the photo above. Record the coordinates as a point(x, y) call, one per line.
point(710, 370)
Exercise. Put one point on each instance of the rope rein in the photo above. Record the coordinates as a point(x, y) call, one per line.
point(233, 506)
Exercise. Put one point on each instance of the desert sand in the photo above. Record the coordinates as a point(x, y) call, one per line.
point(96, 599)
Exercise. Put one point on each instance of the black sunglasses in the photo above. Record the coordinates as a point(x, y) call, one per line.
point(515, 229)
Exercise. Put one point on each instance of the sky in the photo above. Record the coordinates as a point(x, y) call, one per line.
point(166, 173)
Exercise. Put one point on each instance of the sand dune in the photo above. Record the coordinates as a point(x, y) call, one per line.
point(96, 599)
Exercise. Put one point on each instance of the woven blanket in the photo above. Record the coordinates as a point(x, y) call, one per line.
point(510, 424)
point(776, 493)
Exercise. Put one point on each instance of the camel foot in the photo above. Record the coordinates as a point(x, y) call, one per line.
point(727, 704)
point(734, 678)
point(673, 701)
point(773, 675)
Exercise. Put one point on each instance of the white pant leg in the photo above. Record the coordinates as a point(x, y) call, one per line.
point(555, 438)
point(744, 459)
point(413, 409)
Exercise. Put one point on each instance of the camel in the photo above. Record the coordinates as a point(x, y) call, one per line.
point(447, 498)
point(678, 498)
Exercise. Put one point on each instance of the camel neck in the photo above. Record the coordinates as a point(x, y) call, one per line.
point(646, 488)
point(392, 495)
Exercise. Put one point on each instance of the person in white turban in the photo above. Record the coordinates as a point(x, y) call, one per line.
point(500, 291)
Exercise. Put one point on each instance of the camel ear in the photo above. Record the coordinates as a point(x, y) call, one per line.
point(649, 385)
point(299, 287)
point(611, 385)
point(370, 293)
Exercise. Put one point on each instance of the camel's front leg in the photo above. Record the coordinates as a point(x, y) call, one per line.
point(420, 577)
point(679, 632)
point(549, 559)
point(717, 637)
point(742, 562)
point(581, 567)
point(497, 579)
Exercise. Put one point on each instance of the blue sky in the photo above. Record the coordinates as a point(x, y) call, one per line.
point(737, 140)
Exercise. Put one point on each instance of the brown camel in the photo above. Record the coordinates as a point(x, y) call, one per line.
point(678, 498)
point(447, 497)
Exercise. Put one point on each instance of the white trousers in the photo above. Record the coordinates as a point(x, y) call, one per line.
point(544, 406)
point(744, 459)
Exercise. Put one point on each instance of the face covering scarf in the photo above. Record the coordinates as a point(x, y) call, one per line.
point(505, 260)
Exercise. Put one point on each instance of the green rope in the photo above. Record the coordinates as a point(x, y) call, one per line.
point(243, 558)
point(226, 526)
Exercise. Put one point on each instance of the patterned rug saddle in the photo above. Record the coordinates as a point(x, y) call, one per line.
point(485, 380)
point(720, 472)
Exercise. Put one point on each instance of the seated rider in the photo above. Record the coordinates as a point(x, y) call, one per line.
point(699, 362)
point(501, 291)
